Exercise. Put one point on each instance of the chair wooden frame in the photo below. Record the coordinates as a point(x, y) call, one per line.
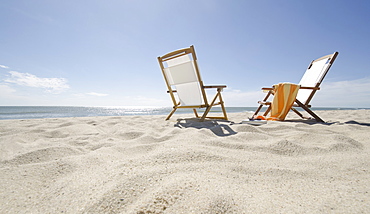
point(217, 100)
point(297, 103)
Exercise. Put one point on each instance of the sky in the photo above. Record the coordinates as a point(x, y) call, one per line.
point(104, 52)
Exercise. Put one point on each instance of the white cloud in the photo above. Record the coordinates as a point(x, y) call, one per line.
point(352, 93)
point(53, 85)
point(9, 96)
point(3, 66)
point(237, 98)
point(97, 94)
point(6, 90)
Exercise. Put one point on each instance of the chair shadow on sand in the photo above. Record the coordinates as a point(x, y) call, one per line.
point(218, 127)
point(357, 123)
point(222, 128)
point(314, 122)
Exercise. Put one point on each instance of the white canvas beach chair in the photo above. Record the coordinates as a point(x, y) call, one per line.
point(308, 86)
point(184, 83)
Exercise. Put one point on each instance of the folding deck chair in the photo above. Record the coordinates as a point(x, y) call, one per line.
point(185, 86)
point(309, 84)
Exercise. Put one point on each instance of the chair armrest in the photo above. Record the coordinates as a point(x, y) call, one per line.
point(215, 86)
point(267, 89)
point(264, 102)
point(301, 87)
point(312, 88)
point(208, 86)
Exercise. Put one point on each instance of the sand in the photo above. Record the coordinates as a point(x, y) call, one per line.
point(144, 164)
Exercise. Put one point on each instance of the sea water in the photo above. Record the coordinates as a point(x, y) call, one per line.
point(35, 112)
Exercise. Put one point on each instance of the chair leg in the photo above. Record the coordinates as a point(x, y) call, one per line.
point(196, 113)
point(208, 108)
point(222, 104)
point(258, 110)
point(260, 107)
point(318, 119)
point(267, 111)
point(173, 111)
point(298, 113)
point(170, 115)
point(205, 113)
point(224, 111)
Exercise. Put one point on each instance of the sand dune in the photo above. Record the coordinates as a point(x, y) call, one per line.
point(143, 164)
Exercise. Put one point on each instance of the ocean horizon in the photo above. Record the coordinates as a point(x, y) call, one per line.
point(39, 112)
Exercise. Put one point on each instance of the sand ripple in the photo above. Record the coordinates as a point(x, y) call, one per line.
point(143, 164)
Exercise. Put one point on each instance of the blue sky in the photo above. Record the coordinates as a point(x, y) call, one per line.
point(104, 53)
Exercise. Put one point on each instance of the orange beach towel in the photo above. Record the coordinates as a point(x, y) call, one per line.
point(284, 97)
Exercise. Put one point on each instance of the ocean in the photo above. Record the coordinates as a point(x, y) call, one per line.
point(37, 112)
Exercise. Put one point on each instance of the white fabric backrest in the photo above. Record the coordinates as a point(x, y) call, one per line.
point(180, 70)
point(313, 75)
point(181, 74)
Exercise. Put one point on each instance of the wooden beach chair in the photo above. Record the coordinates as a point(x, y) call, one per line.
point(308, 86)
point(184, 83)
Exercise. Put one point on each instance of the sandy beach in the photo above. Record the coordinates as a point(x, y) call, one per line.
point(144, 164)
